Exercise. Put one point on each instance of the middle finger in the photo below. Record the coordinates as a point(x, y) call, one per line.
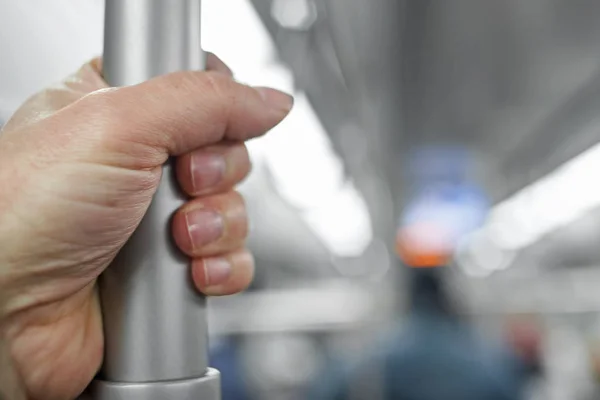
point(211, 225)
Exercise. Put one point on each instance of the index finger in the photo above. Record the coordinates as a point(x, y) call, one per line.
point(214, 63)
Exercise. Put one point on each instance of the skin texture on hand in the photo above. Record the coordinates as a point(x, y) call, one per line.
point(11, 387)
point(79, 164)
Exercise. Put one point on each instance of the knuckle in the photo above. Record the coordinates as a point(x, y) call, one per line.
point(216, 84)
point(103, 104)
point(208, 83)
point(220, 89)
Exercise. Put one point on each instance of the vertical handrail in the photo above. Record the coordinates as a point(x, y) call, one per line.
point(156, 335)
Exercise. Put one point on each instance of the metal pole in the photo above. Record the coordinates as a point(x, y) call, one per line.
point(154, 320)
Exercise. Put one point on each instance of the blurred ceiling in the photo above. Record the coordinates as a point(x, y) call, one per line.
point(519, 82)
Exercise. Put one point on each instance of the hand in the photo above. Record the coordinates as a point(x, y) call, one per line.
point(79, 164)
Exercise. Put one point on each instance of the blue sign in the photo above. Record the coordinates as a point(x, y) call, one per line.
point(443, 199)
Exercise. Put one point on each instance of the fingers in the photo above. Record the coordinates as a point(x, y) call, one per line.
point(212, 230)
point(213, 169)
point(224, 275)
point(211, 225)
point(181, 112)
point(214, 63)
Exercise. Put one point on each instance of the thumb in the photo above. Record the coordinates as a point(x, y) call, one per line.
point(177, 113)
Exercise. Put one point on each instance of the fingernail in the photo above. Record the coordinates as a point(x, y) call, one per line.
point(208, 170)
point(216, 271)
point(204, 227)
point(275, 99)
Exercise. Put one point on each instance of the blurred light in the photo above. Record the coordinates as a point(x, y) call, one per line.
point(217, 18)
point(294, 14)
point(374, 263)
point(550, 203)
point(307, 171)
point(479, 256)
point(355, 146)
point(425, 244)
point(445, 208)
point(310, 176)
point(324, 306)
point(287, 359)
point(343, 222)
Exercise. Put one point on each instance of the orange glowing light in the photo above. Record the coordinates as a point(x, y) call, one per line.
point(424, 246)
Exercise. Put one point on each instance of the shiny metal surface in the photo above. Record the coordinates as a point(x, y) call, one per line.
point(147, 38)
point(155, 321)
point(207, 387)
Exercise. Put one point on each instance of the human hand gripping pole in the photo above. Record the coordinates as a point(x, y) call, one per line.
point(83, 164)
point(156, 336)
